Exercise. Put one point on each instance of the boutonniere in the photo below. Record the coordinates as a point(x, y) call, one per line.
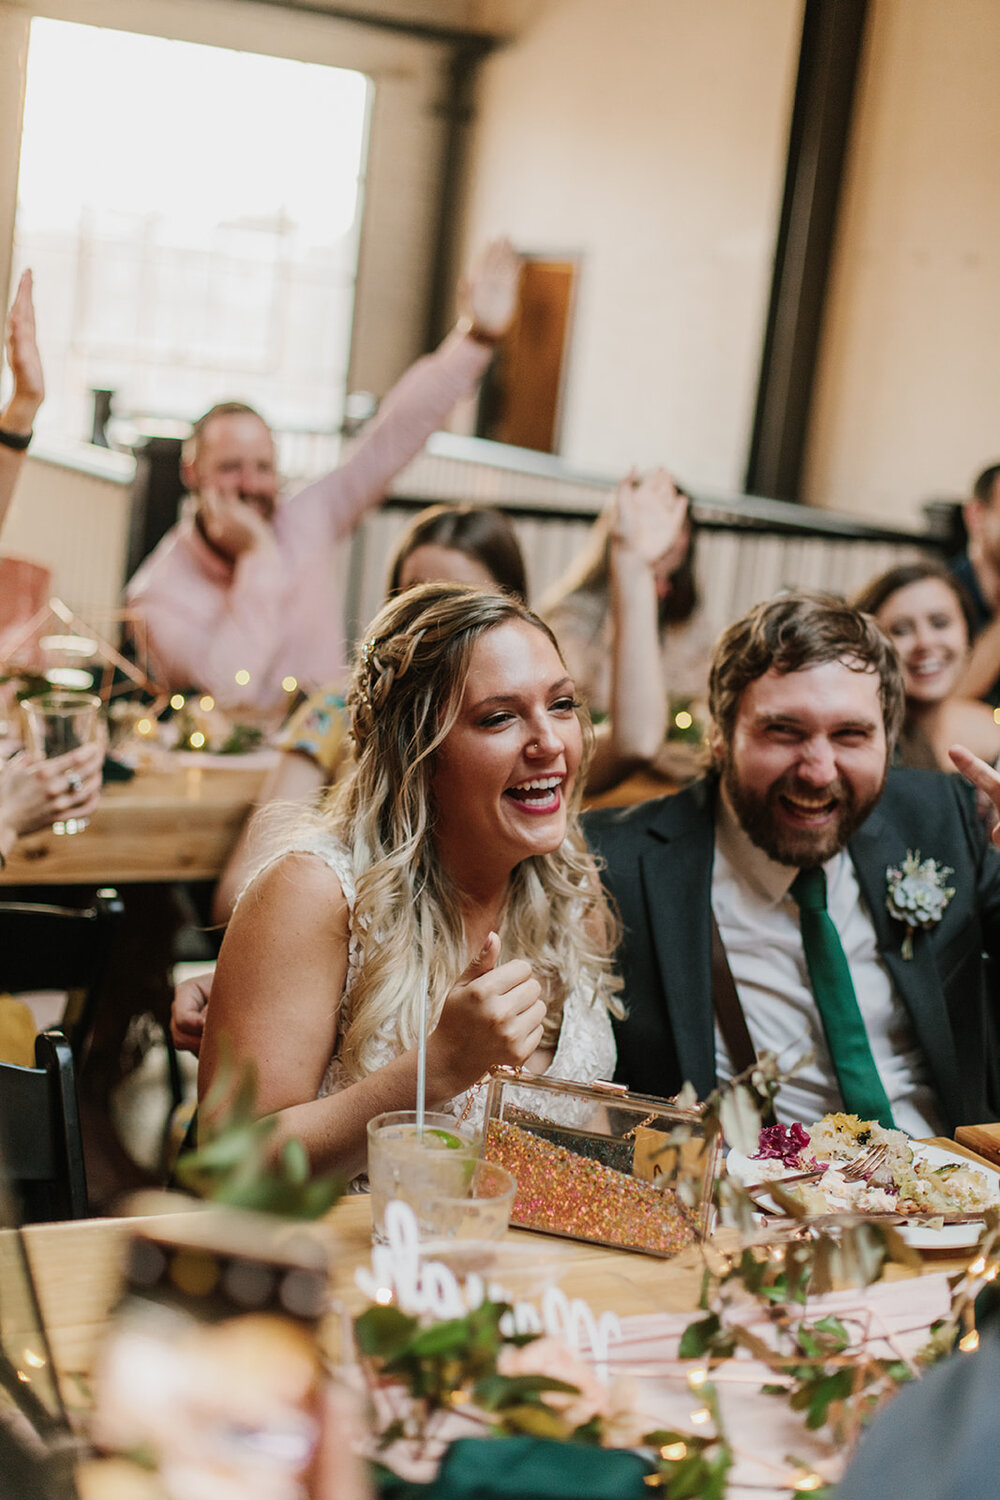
point(917, 894)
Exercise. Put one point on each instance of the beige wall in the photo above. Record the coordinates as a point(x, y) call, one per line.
point(907, 405)
point(648, 139)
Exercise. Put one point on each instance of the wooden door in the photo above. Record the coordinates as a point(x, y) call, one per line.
point(522, 396)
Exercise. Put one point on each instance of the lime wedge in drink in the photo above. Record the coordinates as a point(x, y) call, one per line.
point(448, 1139)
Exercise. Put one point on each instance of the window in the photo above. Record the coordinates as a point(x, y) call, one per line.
point(191, 215)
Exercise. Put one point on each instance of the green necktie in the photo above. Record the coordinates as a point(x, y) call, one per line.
point(860, 1086)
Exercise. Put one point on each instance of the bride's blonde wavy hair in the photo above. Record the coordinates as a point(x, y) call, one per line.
point(406, 694)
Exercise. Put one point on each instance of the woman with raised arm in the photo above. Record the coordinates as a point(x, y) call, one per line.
point(478, 545)
point(638, 550)
point(18, 415)
point(446, 868)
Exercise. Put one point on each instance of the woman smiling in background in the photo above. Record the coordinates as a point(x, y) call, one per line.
point(924, 611)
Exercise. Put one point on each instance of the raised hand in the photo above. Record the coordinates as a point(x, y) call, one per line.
point(494, 1015)
point(232, 526)
point(488, 294)
point(983, 778)
point(649, 516)
point(25, 361)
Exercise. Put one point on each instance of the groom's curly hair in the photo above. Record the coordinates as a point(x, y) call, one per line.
point(792, 632)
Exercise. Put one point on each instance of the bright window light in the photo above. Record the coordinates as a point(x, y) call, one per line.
point(192, 216)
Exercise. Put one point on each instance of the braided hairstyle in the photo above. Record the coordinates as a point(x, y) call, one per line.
point(406, 694)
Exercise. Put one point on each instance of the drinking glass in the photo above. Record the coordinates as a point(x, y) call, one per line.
point(481, 1211)
point(430, 1172)
point(58, 722)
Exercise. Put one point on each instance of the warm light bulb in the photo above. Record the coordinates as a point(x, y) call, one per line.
point(206, 704)
point(807, 1482)
point(197, 740)
point(177, 701)
point(697, 1378)
point(144, 726)
point(701, 1416)
point(970, 1343)
point(674, 1452)
point(289, 684)
point(383, 1296)
point(243, 677)
point(978, 1266)
point(36, 1361)
point(683, 719)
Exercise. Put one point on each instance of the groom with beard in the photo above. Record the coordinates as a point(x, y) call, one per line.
point(774, 904)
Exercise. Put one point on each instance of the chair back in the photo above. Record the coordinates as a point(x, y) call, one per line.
point(40, 1132)
point(45, 947)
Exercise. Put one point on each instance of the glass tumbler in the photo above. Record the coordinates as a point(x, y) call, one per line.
point(57, 722)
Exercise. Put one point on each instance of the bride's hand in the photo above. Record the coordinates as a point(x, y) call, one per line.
point(494, 1015)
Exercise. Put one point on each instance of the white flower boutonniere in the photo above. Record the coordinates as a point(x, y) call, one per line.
point(917, 895)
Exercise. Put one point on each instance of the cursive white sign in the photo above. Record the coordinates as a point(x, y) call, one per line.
point(398, 1274)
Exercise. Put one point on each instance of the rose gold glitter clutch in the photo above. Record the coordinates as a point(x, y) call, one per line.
point(595, 1162)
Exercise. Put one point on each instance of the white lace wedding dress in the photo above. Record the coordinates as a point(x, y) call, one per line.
point(585, 1050)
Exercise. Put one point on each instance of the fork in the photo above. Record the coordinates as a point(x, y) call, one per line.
point(863, 1166)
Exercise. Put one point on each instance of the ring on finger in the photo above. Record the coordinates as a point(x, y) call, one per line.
point(74, 784)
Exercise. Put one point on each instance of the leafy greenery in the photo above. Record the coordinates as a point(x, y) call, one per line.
point(694, 1467)
point(830, 1380)
point(236, 1162)
point(454, 1364)
point(819, 1368)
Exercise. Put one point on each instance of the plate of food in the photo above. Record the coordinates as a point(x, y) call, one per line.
point(846, 1165)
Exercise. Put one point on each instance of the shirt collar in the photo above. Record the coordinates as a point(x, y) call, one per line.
point(767, 876)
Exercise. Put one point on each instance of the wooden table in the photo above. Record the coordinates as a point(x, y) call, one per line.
point(76, 1269)
point(175, 823)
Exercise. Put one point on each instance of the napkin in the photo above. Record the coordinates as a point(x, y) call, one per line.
point(527, 1468)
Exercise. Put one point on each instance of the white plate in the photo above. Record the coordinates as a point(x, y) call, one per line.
point(948, 1237)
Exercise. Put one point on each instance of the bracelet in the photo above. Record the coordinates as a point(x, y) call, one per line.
point(16, 440)
point(470, 329)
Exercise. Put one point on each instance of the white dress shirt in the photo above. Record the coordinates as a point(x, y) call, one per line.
point(759, 924)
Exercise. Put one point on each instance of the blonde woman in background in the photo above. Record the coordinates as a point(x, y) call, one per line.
point(585, 604)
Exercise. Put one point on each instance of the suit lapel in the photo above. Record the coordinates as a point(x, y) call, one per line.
point(875, 847)
point(676, 873)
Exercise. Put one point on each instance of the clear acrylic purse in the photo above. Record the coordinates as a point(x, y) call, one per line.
point(594, 1162)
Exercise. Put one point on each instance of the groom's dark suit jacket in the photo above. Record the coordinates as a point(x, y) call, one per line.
point(658, 867)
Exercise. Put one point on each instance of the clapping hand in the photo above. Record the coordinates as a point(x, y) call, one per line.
point(488, 294)
point(25, 361)
point(650, 517)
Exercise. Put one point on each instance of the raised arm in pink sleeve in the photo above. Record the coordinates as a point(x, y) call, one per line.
point(274, 613)
point(417, 405)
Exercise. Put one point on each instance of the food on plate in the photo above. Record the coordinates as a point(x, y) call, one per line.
point(901, 1181)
